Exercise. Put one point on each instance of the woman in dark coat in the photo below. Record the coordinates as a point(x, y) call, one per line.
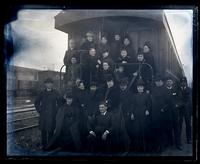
point(116, 43)
point(94, 65)
point(104, 45)
point(142, 70)
point(148, 55)
point(142, 118)
point(82, 100)
point(127, 44)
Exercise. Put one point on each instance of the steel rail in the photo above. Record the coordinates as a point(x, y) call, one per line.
point(21, 110)
point(27, 118)
point(23, 128)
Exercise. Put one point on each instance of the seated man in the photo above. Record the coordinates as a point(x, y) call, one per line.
point(66, 134)
point(100, 130)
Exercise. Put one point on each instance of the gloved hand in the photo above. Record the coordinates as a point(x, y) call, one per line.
point(132, 117)
point(93, 133)
point(124, 61)
point(135, 74)
point(146, 112)
point(104, 136)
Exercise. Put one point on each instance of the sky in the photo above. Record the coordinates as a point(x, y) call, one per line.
point(180, 22)
point(37, 44)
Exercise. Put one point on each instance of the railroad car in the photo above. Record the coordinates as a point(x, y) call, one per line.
point(140, 25)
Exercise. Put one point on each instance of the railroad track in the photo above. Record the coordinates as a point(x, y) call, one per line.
point(21, 119)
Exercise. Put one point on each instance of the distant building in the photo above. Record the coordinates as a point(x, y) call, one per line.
point(23, 81)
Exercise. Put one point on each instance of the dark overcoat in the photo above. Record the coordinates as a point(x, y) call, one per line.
point(47, 104)
point(66, 120)
point(141, 124)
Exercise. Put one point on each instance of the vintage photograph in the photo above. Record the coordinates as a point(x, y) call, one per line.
point(100, 83)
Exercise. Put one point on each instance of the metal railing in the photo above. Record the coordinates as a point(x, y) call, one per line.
point(115, 65)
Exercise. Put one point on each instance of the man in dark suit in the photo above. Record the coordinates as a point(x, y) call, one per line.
point(94, 97)
point(72, 52)
point(84, 57)
point(100, 130)
point(158, 114)
point(172, 127)
point(185, 107)
point(46, 104)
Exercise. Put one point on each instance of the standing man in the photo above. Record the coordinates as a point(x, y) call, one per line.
point(82, 97)
point(94, 97)
point(84, 57)
point(111, 95)
point(71, 52)
point(172, 115)
point(70, 55)
point(46, 104)
point(126, 110)
point(185, 107)
point(158, 114)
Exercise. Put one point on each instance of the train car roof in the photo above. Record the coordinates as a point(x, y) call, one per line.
point(70, 16)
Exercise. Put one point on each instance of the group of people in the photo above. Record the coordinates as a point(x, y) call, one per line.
point(115, 111)
point(111, 56)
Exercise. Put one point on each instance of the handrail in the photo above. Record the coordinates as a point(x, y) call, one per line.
point(117, 64)
point(126, 64)
point(61, 76)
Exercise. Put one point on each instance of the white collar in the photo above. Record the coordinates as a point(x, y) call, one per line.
point(104, 113)
point(169, 87)
point(183, 87)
